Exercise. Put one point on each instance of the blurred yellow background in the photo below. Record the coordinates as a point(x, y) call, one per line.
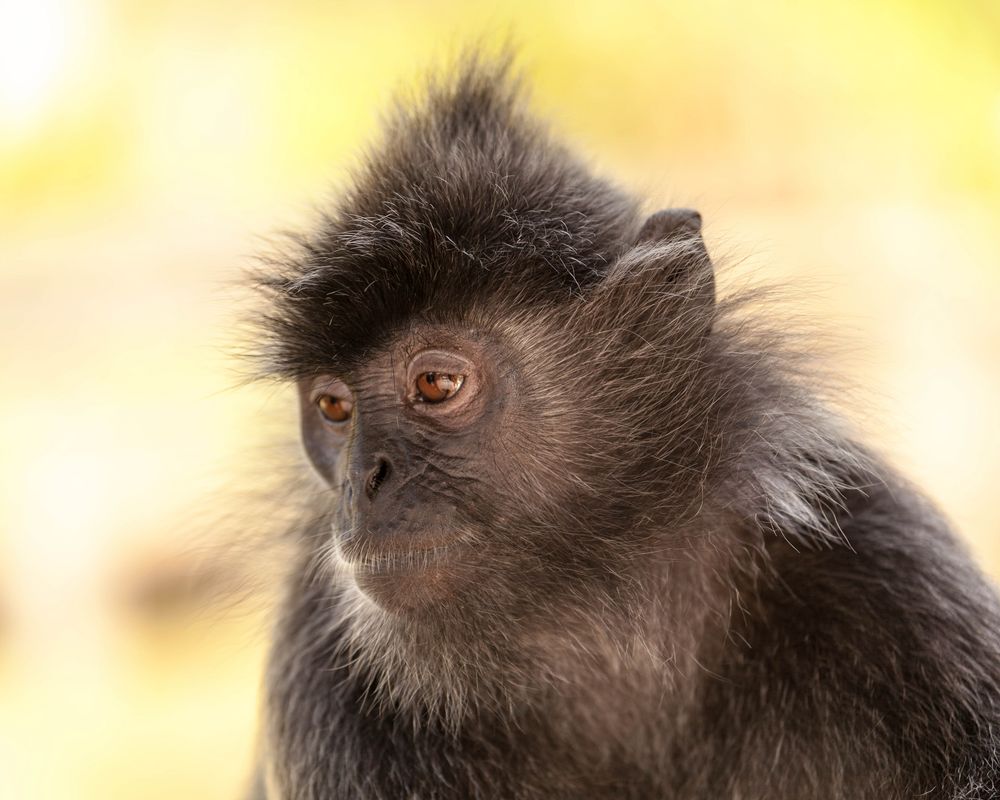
point(852, 148)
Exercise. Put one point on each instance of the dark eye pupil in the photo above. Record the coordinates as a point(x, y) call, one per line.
point(433, 387)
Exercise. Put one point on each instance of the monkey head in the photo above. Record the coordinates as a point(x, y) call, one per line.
point(496, 363)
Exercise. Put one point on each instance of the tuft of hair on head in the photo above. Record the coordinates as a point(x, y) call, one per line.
point(466, 202)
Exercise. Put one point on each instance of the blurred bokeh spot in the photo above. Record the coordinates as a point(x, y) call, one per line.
point(851, 149)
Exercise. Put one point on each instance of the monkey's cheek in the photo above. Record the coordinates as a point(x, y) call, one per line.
point(424, 590)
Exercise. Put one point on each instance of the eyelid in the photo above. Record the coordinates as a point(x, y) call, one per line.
point(438, 361)
point(326, 384)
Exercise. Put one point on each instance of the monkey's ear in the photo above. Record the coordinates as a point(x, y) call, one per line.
point(664, 285)
point(671, 223)
point(666, 276)
point(689, 267)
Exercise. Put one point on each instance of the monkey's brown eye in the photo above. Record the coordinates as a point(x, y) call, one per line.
point(334, 409)
point(435, 387)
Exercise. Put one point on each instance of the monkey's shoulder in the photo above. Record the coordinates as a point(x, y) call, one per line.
point(880, 647)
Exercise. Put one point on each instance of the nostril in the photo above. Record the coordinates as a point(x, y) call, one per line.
point(376, 478)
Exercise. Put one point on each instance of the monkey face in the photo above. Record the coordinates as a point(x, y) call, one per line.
point(491, 459)
point(404, 440)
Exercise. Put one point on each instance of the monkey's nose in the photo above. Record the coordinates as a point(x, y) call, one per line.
point(377, 477)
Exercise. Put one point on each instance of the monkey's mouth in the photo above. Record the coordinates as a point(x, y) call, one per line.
point(392, 562)
point(406, 579)
point(366, 552)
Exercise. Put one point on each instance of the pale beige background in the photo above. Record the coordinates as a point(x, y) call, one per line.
point(851, 147)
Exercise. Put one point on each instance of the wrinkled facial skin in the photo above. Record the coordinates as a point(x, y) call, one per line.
point(403, 442)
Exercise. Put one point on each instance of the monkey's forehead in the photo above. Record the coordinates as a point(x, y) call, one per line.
point(343, 316)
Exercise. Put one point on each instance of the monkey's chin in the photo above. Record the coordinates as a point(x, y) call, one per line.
point(408, 581)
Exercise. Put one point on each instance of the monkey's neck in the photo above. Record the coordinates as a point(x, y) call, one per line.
point(593, 668)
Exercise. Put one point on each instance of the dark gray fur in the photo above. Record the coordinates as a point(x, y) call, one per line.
point(688, 580)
